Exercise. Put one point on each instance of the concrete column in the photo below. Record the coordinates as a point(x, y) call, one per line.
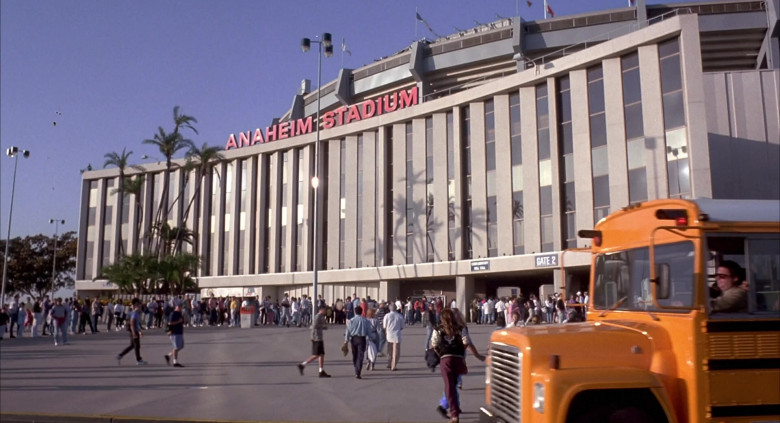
point(464, 292)
point(382, 185)
point(419, 202)
point(479, 247)
point(531, 220)
point(368, 211)
point(652, 117)
point(350, 185)
point(503, 173)
point(616, 135)
point(333, 203)
point(583, 173)
point(389, 290)
point(696, 108)
point(440, 193)
point(398, 225)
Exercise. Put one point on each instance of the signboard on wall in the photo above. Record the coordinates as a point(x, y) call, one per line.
point(480, 265)
point(546, 260)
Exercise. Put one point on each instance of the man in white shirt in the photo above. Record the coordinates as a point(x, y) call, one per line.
point(393, 324)
point(501, 308)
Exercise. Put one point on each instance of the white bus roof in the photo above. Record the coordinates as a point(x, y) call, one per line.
point(740, 210)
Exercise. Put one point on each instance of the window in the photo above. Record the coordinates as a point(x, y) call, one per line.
point(758, 255)
point(517, 173)
point(598, 143)
point(623, 278)
point(545, 167)
point(566, 143)
point(490, 167)
point(677, 165)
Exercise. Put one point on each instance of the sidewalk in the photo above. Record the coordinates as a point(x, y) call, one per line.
point(231, 374)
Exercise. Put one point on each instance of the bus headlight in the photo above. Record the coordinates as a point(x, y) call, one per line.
point(538, 398)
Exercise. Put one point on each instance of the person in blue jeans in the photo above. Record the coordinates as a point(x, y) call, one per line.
point(444, 407)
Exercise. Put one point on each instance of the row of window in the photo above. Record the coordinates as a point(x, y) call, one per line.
point(418, 218)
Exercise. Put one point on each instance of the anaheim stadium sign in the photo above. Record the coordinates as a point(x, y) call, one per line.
point(341, 116)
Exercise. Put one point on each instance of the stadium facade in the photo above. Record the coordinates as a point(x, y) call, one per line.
point(468, 163)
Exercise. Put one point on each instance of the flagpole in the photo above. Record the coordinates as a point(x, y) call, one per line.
point(416, 14)
point(545, 9)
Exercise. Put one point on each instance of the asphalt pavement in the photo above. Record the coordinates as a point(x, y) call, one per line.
point(230, 375)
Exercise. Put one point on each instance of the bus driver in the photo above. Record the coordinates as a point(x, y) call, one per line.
point(730, 298)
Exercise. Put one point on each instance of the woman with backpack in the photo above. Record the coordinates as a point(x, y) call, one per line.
point(451, 340)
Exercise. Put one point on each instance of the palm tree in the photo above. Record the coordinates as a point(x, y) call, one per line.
point(203, 160)
point(172, 238)
point(169, 144)
point(134, 186)
point(119, 160)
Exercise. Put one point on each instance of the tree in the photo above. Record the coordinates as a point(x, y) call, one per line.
point(120, 160)
point(30, 263)
point(131, 273)
point(169, 144)
point(203, 160)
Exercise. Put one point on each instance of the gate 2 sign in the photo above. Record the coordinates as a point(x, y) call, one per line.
point(547, 260)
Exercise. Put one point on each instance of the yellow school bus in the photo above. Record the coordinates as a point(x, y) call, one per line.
point(658, 344)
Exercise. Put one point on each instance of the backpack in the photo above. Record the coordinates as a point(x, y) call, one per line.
point(450, 345)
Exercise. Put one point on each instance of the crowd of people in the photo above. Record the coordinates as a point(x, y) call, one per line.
point(521, 311)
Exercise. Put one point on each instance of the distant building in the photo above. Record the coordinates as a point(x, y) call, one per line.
point(468, 163)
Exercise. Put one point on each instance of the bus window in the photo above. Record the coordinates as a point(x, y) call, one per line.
point(759, 256)
point(622, 279)
point(763, 275)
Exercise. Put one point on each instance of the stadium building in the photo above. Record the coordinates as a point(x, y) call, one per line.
point(467, 164)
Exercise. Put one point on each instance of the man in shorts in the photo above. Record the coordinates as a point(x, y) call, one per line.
point(317, 343)
point(176, 334)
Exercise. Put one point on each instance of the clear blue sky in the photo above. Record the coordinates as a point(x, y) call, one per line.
point(110, 72)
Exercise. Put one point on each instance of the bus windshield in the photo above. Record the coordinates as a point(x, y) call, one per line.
point(622, 279)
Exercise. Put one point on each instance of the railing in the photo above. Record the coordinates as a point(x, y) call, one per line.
point(606, 36)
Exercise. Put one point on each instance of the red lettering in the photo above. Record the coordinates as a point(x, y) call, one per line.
point(270, 133)
point(327, 120)
point(243, 138)
point(284, 130)
point(379, 109)
point(340, 112)
point(353, 114)
point(258, 137)
point(303, 126)
point(368, 109)
point(392, 108)
point(231, 142)
point(409, 98)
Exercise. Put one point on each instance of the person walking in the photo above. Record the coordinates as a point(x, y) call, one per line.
point(134, 327)
point(176, 335)
point(317, 342)
point(451, 341)
point(393, 324)
point(358, 329)
point(59, 322)
point(14, 316)
point(4, 318)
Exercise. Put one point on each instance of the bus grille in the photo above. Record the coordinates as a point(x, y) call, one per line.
point(506, 382)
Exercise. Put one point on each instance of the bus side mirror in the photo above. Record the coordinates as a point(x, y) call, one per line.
point(662, 281)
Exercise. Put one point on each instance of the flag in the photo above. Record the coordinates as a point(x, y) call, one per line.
point(344, 47)
point(630, 2)
point(529, 3)
point(550, 11)
point(427, 25)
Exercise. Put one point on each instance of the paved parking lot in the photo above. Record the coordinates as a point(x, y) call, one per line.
point(231, 374)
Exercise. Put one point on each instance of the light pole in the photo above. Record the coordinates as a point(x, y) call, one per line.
point(326, 42)
point(10, 152)
point(57, 223)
